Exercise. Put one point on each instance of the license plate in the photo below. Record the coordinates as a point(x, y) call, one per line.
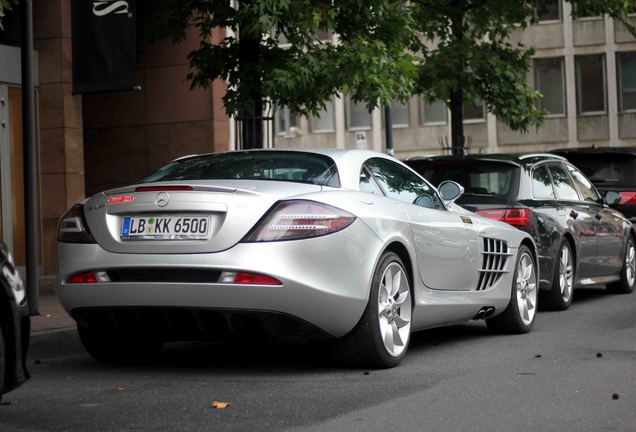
point(165, 228)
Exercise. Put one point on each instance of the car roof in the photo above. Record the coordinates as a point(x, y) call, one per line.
point(594, 150)
point(510, 158)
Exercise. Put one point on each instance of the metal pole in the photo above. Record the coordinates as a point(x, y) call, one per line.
point(28, 142)
point(388, 120)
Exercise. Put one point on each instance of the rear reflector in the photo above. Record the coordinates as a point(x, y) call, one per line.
point(243, 278)
point(628, 198)
point(88, 278)
point(518, 217)
point(162, 188)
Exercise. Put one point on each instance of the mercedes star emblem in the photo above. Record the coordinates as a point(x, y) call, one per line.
point(162, 199)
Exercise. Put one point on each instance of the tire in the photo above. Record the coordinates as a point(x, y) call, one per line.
point(520, 314)
point(628, 272)
point(381, 337)
point(560, 295)
point(110, 347)
point(3, 362)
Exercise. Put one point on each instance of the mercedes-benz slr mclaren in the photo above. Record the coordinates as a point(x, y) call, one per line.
point(350, 246)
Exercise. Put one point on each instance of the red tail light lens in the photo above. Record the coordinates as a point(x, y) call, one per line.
point(518, 217)
point(628, 198)
point(243, 278)
point(82, 278)
point(162, 188)
point(293, 220)
point(73, 228)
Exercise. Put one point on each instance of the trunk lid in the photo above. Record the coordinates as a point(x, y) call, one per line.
point(233, 208)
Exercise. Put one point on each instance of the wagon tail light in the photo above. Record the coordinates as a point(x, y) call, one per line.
point(293, 220)
point(517, 217)
point(628, 198)
point(73, 227)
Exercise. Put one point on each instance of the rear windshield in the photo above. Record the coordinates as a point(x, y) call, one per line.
point(482, 180)
point(607, 168)
point(289, 166)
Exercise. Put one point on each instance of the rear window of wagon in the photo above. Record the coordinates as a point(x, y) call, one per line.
point(299, 167)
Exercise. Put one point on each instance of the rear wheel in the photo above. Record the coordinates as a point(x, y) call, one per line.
point(381, 337)
point(3, 361)
point(560, 295)
point(114, 347)
point(521, 311)
point(628, 272)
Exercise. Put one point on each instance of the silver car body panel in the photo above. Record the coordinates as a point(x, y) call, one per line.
point(326, 280)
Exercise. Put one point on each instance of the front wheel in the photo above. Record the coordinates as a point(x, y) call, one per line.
point(521, 311)
point(628, 272)
point(381, 337)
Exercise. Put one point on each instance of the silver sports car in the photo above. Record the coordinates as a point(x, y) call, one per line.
point(347, 245)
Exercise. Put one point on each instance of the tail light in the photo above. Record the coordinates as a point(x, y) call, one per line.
point(628, 198)
point(517, 217)
point(242, 278)
point(293, 220)
point(73, 227)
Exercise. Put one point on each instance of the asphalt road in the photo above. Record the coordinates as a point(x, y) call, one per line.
point(575, 372)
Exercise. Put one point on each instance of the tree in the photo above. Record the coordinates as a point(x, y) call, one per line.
point(368, 61)
point(473, 57)
point(5, 5)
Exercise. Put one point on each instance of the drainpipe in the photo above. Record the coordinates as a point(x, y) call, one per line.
point(28, 142)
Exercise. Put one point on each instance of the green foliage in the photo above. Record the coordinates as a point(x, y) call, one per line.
point(368, 61)
point(385, 49)
point(5, 5)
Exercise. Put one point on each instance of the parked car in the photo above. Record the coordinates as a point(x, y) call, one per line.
point(15, 325)
point(581, 240)
point(610, 169)
point(351, 246)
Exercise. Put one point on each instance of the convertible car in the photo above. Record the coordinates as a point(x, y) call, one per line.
point(347, 245)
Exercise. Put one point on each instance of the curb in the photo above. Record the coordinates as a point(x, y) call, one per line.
point(54, 343)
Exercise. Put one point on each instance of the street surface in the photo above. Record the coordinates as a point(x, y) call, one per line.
point(575, 372)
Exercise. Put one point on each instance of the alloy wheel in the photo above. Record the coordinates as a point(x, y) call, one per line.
point(630, 264)
point(566, 273)
point(526, 289)
point(394, 309)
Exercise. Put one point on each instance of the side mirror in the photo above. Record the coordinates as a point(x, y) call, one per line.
point(450, 191)
point(611, 198)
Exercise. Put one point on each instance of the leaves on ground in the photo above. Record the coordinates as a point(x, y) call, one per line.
point(220, 405)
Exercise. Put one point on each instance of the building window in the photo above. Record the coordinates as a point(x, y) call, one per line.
point(433, 112)
point(590, 84)
point(400, 113)
point(325, 120)
point(549, 10)
point(285, 119)
point(474, 111)
point(627, 81)
point(358, 117)
point(549, 79)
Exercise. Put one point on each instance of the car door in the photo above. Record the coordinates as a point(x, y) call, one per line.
point(609, 227)
point(579, 216)
point(446, 244)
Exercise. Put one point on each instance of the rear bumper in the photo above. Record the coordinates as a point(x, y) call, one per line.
point(325, 280)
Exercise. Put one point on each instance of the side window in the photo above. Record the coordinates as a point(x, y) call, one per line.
point(542, 183)
point(585, 187)
point(401, 184)
point(367, 184)
point(563, 184)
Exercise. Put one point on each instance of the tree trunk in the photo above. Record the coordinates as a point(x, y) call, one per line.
point(251, 116)
point(457, 121)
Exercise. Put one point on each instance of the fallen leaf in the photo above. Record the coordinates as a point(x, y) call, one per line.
point(6, 403)
point(48, 315)
point(615, 396)
point(599, 354)
point(366, 373)
point(220, 405)
point(537, 356)
point(120, 388)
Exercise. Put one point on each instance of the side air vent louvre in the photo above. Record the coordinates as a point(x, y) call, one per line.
point(495, 254)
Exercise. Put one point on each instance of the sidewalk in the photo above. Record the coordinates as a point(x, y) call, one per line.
point(52, 315)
